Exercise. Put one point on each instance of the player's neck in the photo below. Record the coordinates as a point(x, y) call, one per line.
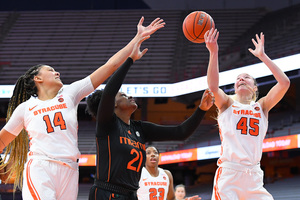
point(244, 99)
point(123, 115)
point(47, 94)
point(153, 171)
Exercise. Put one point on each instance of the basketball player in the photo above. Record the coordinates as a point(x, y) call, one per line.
point(155, 182)
point(121, 141)
point(180, 193)
point(47, 110)
point(243, 123)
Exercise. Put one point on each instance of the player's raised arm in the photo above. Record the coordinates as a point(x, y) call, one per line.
point(103, 72)
point(277, 91)
point(222, 101)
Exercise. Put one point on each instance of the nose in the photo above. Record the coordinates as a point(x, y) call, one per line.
point(57, 73)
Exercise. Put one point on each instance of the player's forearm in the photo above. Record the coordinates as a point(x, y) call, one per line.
point(213, 72)
point(5, 138)
point(190, 125)
point(276, 71)
point(106, 108)
point(106, 70)
point(115, 82)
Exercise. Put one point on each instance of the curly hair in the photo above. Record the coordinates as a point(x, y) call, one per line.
point(93, 101)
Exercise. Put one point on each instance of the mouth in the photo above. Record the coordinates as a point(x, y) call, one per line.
point(242, 84)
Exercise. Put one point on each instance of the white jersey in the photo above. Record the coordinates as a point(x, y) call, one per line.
point(52, 124)
point(153, 187)
point(242, 131)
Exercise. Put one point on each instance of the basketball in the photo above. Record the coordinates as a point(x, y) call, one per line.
point(195, 26)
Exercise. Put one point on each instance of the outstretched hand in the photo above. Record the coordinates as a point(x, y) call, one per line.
point(207, 100)
point(259, 46)
point(150, 29)
point(211, 40)
point(136, 53)
point(196, 197)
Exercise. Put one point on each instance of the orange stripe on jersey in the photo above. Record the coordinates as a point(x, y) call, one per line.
point(216, 189)
point(31, 187)
point(96, 193)
point(109, 159)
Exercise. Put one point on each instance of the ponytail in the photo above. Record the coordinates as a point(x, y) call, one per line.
point(18, 148)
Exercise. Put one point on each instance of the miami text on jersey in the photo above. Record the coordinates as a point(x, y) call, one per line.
point(132, 143)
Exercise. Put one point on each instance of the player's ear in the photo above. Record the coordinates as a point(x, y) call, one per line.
point(37, 79)
point(116, 104)
point(255, 88)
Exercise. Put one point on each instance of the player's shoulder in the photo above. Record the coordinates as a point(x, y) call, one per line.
point(167, 172)
point(27, 103)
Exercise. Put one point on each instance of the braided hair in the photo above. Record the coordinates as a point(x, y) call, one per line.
point(18, 148)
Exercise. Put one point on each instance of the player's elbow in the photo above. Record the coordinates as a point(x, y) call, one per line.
point(286, 83)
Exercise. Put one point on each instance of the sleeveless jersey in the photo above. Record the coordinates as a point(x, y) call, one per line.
point(153, 187)
point(121, 154)
point(52, 124)
point(242, 130)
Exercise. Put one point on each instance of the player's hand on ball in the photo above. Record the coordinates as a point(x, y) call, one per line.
point(211, 40)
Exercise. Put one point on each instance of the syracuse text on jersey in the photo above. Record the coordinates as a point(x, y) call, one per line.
point(156, 183)
point(51, 108)
point(246, 112)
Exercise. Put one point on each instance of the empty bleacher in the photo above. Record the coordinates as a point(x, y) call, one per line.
point(77, 42)
point(281, 30)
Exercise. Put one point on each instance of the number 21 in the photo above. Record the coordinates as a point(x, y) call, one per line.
point(138, 156)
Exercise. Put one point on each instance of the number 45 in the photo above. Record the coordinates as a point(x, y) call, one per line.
point(253, 124)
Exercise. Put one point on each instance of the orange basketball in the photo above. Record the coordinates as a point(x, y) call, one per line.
point(195, 26)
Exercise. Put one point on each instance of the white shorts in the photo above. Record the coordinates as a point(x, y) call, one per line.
point(48, 180)
point(239, 182)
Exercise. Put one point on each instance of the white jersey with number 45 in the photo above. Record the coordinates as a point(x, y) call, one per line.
point(242, 130)
point(52, 124)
